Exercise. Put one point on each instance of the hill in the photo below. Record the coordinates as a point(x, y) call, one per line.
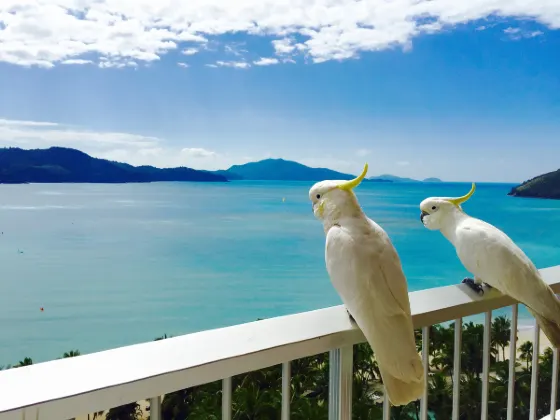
point(394, 178)
point(280, 170)
point(542, 186)
point(59, 164)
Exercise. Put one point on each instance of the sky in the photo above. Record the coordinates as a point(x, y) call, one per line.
point(456, 89)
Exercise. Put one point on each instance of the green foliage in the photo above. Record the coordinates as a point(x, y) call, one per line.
point(257, 395)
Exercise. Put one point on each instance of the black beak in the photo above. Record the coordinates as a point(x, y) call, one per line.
point(422, 215)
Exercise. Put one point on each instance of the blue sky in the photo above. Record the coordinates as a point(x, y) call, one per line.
point(458, 93)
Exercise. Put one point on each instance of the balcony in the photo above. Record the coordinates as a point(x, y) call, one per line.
point(68, 388)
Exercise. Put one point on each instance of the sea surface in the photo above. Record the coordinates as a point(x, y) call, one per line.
point(113, 265)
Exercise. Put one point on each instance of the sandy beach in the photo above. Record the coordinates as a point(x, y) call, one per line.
point(527, 333)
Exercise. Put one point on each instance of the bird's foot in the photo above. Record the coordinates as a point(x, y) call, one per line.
point(350, 315)
point(473, 285)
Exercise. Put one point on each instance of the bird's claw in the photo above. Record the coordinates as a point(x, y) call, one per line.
point(473, 285)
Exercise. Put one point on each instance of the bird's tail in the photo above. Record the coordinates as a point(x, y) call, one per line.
point(550, 328)
point(400, 392)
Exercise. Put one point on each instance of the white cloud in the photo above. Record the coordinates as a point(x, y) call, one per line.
point(198, 152)
point(264, 61)
point(189, 51)
point(363, 152)
point(235, 64)
point(235, 49)
point(403, 163)
point(184, 65)
point(77, 61)
point(27, 123)
point(518, 33)
point(135, 149)
point(46, 134)
point(123, 33)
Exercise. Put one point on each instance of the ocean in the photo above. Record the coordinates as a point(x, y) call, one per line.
point(113, 265)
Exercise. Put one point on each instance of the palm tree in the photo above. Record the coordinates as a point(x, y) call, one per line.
point(440, 396)
point(130, 411)
point(25, 362)
point(526, 352)
point(501, 330)
point(163, 337)
point(71, 353)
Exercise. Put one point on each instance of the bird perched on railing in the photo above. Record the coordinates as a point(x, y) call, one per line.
point(366, 271)
point(494, 259)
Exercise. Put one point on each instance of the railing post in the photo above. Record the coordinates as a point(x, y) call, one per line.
point(426, 362)
point(340, 383)
point(486, 363)
point(457, 368)
point(512, 360)
point(535, 373)
point(386, 405)
point(554, 387)
point(155, 408)
point(286, 390)
point(226, 398)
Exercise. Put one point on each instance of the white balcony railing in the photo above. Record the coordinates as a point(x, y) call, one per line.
point(66, 388)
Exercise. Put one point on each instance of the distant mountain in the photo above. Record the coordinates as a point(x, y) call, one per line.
point(394, 178)
point(542, 186)
point(280, 170)
point(59, 164)
point(230, 176)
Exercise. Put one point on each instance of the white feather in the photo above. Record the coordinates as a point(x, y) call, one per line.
point(492, 257)
point(366, 271)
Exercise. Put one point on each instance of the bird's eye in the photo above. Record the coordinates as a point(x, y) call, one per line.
point(318, 196)
point(433, 207)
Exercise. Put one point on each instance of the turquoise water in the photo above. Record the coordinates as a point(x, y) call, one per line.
point(121, 264)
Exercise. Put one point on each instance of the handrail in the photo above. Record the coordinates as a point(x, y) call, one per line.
point(93, 382)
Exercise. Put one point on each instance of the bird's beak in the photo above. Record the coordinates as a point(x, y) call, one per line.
point(422, 215)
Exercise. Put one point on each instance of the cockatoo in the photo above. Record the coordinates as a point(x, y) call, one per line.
point(494, 259)
point(366, 271)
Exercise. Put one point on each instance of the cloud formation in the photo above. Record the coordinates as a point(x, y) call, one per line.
point(127, 33)
point(265, 61)
point(124, 147)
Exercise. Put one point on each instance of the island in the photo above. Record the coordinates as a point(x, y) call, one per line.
point(394, 178)
point(287, 170)
point(542, 186)
point(280, 170)
point(60, 164)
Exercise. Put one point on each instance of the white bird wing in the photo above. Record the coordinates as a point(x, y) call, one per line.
point(367, 274)
point(492, 256)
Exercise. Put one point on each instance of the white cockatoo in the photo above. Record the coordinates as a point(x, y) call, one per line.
point(494, 259)
point(366, 271)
